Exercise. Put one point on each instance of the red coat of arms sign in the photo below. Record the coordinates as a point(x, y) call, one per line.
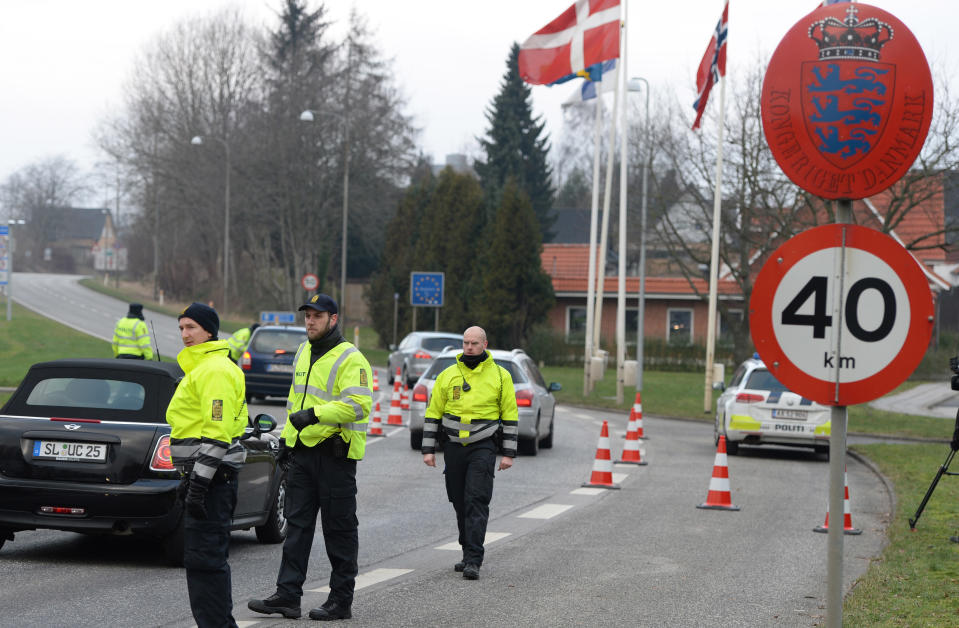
point(847, 101)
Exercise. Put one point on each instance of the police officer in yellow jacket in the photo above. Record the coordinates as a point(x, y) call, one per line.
point(471, 400)
point(207, 415)
point(239, 340)
point(131, 339)
point(324, 436)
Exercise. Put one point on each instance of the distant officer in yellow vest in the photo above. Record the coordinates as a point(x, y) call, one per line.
point(131, 339)
point(325, 435)
point(239, 340)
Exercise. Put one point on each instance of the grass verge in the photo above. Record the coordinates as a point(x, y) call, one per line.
point(914, 582)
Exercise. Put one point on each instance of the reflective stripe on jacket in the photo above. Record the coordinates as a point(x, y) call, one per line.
point(207, 413)
point(476, 414)
point(238, 342)
point(337, 387)
point(131, 337)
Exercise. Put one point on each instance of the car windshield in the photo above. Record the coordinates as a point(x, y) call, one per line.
point(438, 344)
point(761, 379)
point(273, 340)
point(75, 392)
point(440, 364)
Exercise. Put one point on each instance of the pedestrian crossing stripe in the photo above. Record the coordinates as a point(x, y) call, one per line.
point(491, 537)
point(546, 511)
point(370, 578)
point(588, 490)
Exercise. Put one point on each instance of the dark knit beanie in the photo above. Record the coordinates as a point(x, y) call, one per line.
point(136, 311)
point(204, 315)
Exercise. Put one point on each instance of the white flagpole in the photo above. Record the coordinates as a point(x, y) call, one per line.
point(604, 230)
point(621, 296)
point(593, 211)
point(714, 255)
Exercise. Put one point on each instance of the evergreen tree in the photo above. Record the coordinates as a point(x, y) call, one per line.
point(516, 147)
point(516, 292)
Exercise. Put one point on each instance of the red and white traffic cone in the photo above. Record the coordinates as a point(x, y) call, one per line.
point(405, 404)
point(846, 514)
point(602, 476)
point(376, 381)
point(719, 496)
point(395, 417)
point(636, 413)
point(376, 424)
point(633, 450)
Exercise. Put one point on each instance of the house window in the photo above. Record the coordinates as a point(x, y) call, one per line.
point(680, 326)
point(575, 323)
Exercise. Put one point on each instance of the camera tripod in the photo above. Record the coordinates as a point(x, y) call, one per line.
point(943, 470)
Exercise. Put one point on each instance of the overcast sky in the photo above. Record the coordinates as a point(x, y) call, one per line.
point(64, 62)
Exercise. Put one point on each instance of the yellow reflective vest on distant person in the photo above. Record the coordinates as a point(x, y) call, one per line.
point(131, 337)
point(238, 342)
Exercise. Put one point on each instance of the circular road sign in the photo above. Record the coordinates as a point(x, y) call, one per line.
point(841, 314)
point(309, 282)
point(847, 101)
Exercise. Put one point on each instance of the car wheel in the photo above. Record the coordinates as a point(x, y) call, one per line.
point(530, 446)
point(416, 440)
point(274, 529)
point(389, 369)
point(172, 545)
point(732, 447)
point(823, 450)
point(547, 443)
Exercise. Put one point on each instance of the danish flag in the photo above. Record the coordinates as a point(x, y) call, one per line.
point(712, 66)
point(584, 34)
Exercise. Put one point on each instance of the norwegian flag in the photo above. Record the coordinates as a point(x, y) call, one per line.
point(584, 34)
point(712, 66)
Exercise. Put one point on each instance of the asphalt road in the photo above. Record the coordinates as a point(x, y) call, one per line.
point(641, 555)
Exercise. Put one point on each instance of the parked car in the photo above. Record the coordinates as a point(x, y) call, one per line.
point(85, 447)
point(534, 398)
point(756, 409)
point(417, 351)
point(268, 360)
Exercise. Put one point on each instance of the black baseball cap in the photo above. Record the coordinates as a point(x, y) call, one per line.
point(321, 303)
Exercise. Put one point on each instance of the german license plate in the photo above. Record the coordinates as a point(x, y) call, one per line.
point(70, 451)
point(782, 413)
point(279, 368)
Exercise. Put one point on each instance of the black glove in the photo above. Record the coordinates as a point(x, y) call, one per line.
point(303, 418)
point(285, 457)
point(196, 498)
point(182, 488)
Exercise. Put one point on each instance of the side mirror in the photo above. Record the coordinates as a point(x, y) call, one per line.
point(392, 347)
point(720, 386)
point(554, 386)
point(260, 424)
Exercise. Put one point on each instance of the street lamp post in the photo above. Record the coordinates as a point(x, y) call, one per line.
point(198, 141)
point(307, 116)
point(10, 224)
point(640, 322)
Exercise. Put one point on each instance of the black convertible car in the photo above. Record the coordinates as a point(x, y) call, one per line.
point(85, 447)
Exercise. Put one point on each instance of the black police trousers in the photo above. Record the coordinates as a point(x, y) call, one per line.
point(321, 479)
point(469, 486)
point(206, 547)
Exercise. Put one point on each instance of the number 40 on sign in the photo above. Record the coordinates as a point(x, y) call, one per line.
point(841, 314)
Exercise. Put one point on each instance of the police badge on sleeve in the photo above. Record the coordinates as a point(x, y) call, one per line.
point(217, 410)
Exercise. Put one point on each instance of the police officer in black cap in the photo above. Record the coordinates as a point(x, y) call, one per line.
point(325, 435)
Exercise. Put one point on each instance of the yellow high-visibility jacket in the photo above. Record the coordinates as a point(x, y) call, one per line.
point(131, 337)
point(238, 342)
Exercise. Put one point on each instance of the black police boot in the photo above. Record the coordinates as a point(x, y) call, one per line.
point(276, 603)
point(458, 567)
point(471, 571)
point(331, 610)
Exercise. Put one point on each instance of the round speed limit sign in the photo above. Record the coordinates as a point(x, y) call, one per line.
point(309, 281)
point(841, 314)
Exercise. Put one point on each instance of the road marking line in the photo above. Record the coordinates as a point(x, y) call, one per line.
point(581, 416)
point(370, 578)
point(546, 511)
point(245, 624)
point(619, 477)
point(491, 537)
point(587, 491)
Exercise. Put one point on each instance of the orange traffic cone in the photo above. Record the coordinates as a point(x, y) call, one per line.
point(602, 476)
point(405, 404)
point(395, 417)
point(637, 413)
point(376, 381)
point(633, 450)
point(846, 515)
point(719, 497)
point(376, 424)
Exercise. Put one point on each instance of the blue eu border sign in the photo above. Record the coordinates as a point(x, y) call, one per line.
point(426, 289)
point(277, 318)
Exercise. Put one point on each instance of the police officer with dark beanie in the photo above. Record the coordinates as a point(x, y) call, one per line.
point(207, 415)
point(325, 435)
